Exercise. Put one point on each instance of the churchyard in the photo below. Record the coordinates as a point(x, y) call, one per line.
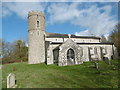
point(51, 76)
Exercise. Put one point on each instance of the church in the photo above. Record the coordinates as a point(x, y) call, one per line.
point(62, 49)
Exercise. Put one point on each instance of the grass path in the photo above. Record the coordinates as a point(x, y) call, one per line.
point(52, 76)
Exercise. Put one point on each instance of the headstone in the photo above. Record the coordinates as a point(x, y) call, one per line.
point(11, 81)
point(96, 65)
point(0, 66)
point(107, 61)
point(1, 77)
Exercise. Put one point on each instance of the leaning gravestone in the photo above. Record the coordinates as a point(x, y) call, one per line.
point(11, 81)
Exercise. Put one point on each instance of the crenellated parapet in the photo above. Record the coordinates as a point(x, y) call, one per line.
point(30, 13)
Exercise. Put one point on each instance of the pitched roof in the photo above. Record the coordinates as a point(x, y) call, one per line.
point(57, 35)
point(64, 43)
point(85, 43)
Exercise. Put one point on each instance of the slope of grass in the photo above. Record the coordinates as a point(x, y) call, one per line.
point(52, 76)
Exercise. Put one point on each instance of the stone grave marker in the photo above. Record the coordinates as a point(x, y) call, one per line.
point(11, 81)
point(0, 66)
point(107, 61)
point(96, 65)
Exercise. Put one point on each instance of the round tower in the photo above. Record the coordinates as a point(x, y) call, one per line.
point(36, 37)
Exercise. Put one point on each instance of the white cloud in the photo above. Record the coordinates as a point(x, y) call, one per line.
point(21, 9)
point(98, 23)
point(62, 12)
point(97, 20)
point(60, 0)
point(82, 33)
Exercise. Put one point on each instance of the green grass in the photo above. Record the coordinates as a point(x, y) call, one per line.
point(52, 76)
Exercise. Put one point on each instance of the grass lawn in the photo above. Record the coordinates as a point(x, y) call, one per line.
point(52, 76)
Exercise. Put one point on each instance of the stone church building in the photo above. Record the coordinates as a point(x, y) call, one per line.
point(62, 49)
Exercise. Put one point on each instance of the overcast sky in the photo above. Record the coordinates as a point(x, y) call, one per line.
point(79, 18)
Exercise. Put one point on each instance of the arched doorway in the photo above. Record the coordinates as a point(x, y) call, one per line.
point(70, 57)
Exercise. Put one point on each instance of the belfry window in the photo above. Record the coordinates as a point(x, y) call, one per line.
point(37, 23)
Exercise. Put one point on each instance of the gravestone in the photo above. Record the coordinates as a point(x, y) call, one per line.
point(107, 61)
point(0, 66)
point(1, 77)
point(11, 81)
point(96, 65)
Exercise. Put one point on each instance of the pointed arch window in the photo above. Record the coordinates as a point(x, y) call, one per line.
point(95, 50)
point(81, 52)
point(104, 50)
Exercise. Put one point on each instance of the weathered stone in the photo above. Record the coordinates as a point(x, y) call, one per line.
point(107, 61)
point(11, 81)
point(36, 29)
point(96, 65)
point(1, 78)
point(0, 66)
point(52, 48)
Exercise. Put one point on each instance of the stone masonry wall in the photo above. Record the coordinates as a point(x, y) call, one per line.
point(36, 31)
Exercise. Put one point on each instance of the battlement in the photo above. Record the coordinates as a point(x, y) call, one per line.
point(35, 13)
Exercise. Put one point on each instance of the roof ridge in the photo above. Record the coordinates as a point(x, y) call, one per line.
point(72, 35)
